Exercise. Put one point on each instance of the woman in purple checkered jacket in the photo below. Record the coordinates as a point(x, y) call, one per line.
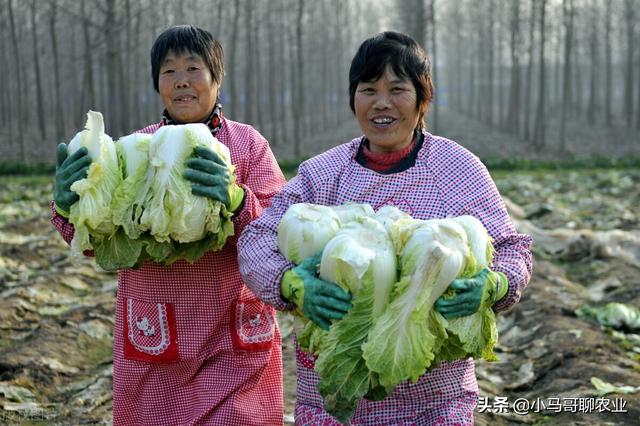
point(396, 162)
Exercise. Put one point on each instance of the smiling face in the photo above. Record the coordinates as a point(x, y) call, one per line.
point(186, 87)
point(386, 111)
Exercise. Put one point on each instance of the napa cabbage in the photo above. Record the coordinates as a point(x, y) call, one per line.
point(351, 211)
point(613, 314)
point(474, 335)
point(387, 215)
point(361, 260)
point(404, 340)
point(170, 210)
point(305, 229)
point(91, 214)
point(133, 156)
point(136, 206)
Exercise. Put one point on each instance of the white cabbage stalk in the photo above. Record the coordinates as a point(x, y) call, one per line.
point(305, 229)
point(361, 250)
point(480, 242)
point(387, 215)
point(133, 154)
point(360, 259)
point(404, 341)
point(350, 212)
point(171, 211)
point(91, 214)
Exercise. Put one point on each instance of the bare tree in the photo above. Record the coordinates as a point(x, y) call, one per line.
point(490, 63)
point(529, 79)
point(594, 75)
point(434, 63)
point(628, 97)
point(299, 98)
point(59, 111)
point(231, 63)
point(539, 135)
point(567, 7)
point(250, 70)
point(456, 99)
point(21, 112)
point(273, 90)
point(513, 118)
point(40, 101)
point(608, 65)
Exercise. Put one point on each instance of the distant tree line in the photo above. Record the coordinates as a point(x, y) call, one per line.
point(527, 67)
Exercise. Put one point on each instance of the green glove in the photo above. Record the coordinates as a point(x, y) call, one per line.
point(469, 293)
point(69, 169)
point(209, 176)
point(318, 300)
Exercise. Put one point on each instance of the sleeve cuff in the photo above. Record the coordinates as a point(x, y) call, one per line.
point(292, 288)
point(236, 198)
point(502, 286)
point(60, 211)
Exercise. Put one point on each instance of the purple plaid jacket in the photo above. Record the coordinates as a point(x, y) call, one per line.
point(446, 180)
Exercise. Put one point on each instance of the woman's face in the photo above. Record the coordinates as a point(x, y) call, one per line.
point(186, 87)
point(386, 111)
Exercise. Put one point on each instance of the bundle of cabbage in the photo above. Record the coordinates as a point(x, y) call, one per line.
point(393, 334)
point(91, 214)
point(159, 218)
point(135, 205)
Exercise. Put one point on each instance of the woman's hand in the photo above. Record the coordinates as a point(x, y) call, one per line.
point(319, 300)
point(69, 169)
point(469, 293)
point(209, 175)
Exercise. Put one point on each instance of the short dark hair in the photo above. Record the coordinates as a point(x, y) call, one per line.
point(187, 38)
point(406, 58)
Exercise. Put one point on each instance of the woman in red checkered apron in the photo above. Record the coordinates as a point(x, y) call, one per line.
point(397, 162)
point(192, 344)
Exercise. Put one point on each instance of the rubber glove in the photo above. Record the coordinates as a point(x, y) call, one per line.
point(317, 299)
point(209, 176)
point(69, 169)
point(469, 294)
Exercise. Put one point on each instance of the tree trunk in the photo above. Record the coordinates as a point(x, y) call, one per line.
point(513, 118)
point(57, 105)
point(40, 99)
point(273, 91)
point(567, 7)
point(234, 97)
point(299, 100)
point(6, 114)
point(489, 107)
point(250, 69)
point(628, 98)
point(594, 77)
point(434, 63)
point(111, 118)
point(337, 94)
point(21, 110)
point(127, 68)
point(139, 86)
point(539, 136)
point(608, 74)
point(285, 81)
point(529, 83)
point(456, 99)
point(325, 75)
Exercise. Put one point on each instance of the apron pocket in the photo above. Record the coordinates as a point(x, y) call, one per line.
point(253, 325)
point(150, 331)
